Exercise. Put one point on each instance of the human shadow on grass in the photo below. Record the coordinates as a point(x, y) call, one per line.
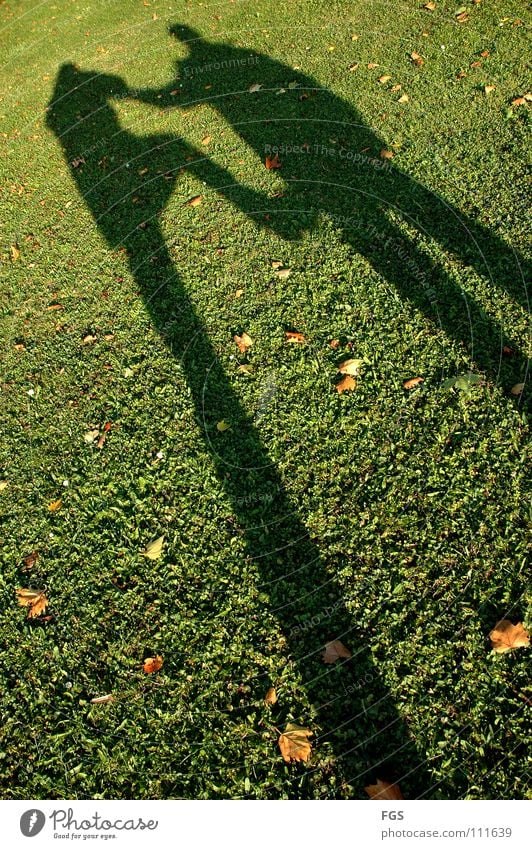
point(358, 718)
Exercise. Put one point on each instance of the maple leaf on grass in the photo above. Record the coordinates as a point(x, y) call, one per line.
point(347, 384)
point(272, 162)
point(152, 664)
point(335, 650)
point(294, 744)
point(383, 790)
point(243, 342)
point(35, 600)
point(506, 636)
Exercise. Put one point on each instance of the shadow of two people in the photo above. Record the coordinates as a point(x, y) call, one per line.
point(356, 191)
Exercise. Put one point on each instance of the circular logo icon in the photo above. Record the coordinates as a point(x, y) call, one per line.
point(32, 822)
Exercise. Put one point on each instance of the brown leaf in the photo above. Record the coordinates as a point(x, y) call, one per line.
point(462, 17)
point(35, 600)
point(276, 263)
point(54, 307)
point(283, 273)
point(507, 636)
point(15, 253)
point(396, 87)
point(295, 336)
point(386, 154)
point(195, 201)
point(243, 342)
point(517, 389)
point(271, 697)
point(335, 650)
point(334, 343)
point(272, 162)
point(519, 101)
point(430, 6)
point(383, 790)
point(152, 664)
point(206, 140)
point(372, 65)
point(88, 339)
point(346, 384)
point(413, 381)
point(294, 743)
point(417, 59)
point(30, 560)
point(77, 162)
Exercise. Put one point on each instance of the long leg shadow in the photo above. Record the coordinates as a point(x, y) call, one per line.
point(368, 742)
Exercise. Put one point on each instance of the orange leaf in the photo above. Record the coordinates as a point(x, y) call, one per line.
point(506, 636)
point(383, 790)
point(334, 651)
point(35, 600)
point(334, 343)
point(55, 505)
point(386, 154)
point(271, 697)
point(243, 342)
point(346, 384)
point(152, 664)
point(414, 381)
point(272, 162)
point(206, 140)
point(294, 336)
point(294, 743)
point(195, 201)
point(417, 59)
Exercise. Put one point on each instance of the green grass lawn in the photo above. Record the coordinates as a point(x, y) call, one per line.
point(392, 519)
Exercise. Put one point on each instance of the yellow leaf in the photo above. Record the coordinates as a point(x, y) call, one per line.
point(335, 650)
point(3, 485)
point(386, 154)
point(430, 6)
point(221, 426)
point(384, 790)
point(152, 664)
point(507, 636)
point(346, 384)
point(195, 201)
point(271, 696)
point(517, 389)
point(243, 342)
point(283, 273)
point(15, 253)
point(206, 140)
point(396, 87)
point(55, 505)
point(488, 89)
point(35, 600)
point(294, 743)
point(350, 367)
point(403, 99)
point(385, 78)
point(276, 263)
point(88, 339)
point(91, 436)
point(154, 549)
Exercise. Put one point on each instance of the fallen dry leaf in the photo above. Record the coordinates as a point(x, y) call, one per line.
point(519, 101)
point(506, 636)
point(354, 66)
point(272, 162)
point(77, 162)
point(335, 650)
point(383, 790)
point(271, 697)
point(385, 78)
point(35, 600)
point(294, 743)
point(294, 336)
point(462, 17)
point(334, 343)
point(255, 87)
point(3, 485)
point(386, 154)
point(417, 59)
point(403, 99)
point(221, 426)
point(15, 253)
point(283, 273)
point(517, 389)
point(88, 339)
point(154, 549)
point(30, 560)
point(350, 367)
point(430, 6)
point(488, 89)
point(372, 65)
point(243, 342)
point(346, 384)
point(195, 201)
point(91, 436)
point(413, 381)
point(55, 505)
point(206, 140)
point(276, 263)
point(396, 87)
point(152, 664)
point(101, 700)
